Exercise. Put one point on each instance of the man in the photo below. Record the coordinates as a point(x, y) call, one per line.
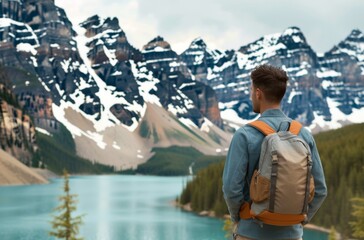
point(268, 88)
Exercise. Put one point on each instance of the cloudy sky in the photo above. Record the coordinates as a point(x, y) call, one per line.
point(224, 24)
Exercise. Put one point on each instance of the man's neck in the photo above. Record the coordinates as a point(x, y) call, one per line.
point(265, 107)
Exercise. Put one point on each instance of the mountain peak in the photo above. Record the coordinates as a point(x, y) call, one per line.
point(292, 30)
point(356, 34)
point(353, 45)
point(198, 42)
point(94, 20)
point(293, 35)
point(157, 42)
point(112, 23)
point(97, 22)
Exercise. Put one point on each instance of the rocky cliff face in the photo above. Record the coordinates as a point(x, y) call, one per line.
point(37, 39)
point(200, 59)
point(177, 89)
point(344, 76)
point(109, 53)
point(17, 132)
point(112, 58)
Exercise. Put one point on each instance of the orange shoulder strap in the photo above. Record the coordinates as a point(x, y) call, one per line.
point(262, 127)
point(295, 127)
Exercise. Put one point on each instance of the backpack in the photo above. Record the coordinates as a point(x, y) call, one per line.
point(282, 186)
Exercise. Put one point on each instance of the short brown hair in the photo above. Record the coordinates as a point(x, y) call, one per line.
point(271, 80)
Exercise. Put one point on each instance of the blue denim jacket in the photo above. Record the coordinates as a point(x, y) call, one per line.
point(242, 160)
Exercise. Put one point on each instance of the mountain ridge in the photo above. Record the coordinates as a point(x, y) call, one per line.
point(92, 80)
point(318, 85)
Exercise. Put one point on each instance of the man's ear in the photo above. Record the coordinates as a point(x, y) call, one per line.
point(259, 94)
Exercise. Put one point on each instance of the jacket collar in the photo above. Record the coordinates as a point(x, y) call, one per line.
point(273, 113)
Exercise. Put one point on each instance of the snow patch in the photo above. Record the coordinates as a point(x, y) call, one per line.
point(59, 114)
point(227, 104)
point(43, 131)
point(116, 73)
point(55, 45)
point(26, 47)
point(301, 73)
point(34, 61)
point(187, 85)
point(327, 73)
point(187, 122)
point(326, 84)
point(293, 94)
point(296, 39)
point(65, 64)
point(110, 53)
point(206, 125)
point(146, 83)
point(44, 85)
point(338, 118)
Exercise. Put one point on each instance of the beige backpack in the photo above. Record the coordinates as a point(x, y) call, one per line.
point(282, 186)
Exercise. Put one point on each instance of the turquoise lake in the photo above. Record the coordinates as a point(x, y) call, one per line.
point(115, 207)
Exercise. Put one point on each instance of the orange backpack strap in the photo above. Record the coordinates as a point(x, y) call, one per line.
point(262, 127)
point(244, 212)
point(295, 127)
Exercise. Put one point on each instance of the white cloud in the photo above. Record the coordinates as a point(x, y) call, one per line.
point(225, 24)
point(139, 29)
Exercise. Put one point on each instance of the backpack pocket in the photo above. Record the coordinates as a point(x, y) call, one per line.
point(259, 188)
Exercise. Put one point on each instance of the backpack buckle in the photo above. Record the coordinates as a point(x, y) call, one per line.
point(274, 158)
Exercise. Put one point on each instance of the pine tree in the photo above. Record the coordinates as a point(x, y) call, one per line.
point(229, 228)
point(65, 226)
point(358, 214)
point(332, 234)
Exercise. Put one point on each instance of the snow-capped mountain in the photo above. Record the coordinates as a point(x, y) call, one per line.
point(104, 46)
point(343, 72)
point(39, 53)
point(200, 59)
point(324, 91)
point(119, 102)
point(177, 89)
point(107, 93)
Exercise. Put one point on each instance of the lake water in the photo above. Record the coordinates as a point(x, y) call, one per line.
point(116, 207)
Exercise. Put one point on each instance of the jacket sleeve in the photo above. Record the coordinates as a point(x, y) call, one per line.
point(319, 178)
point(234, 173)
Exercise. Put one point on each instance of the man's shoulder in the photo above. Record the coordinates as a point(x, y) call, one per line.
point(248, 132)
point(306, 134)
point(247, 129)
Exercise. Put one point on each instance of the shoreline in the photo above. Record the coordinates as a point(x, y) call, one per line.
point(211, 214)
point(46, 174)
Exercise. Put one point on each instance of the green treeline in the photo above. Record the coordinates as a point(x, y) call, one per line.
point(204, 191)
point(175, 161)
point(59, 152)
point(342, 156)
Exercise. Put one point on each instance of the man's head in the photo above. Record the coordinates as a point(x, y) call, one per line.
point(268, 86)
